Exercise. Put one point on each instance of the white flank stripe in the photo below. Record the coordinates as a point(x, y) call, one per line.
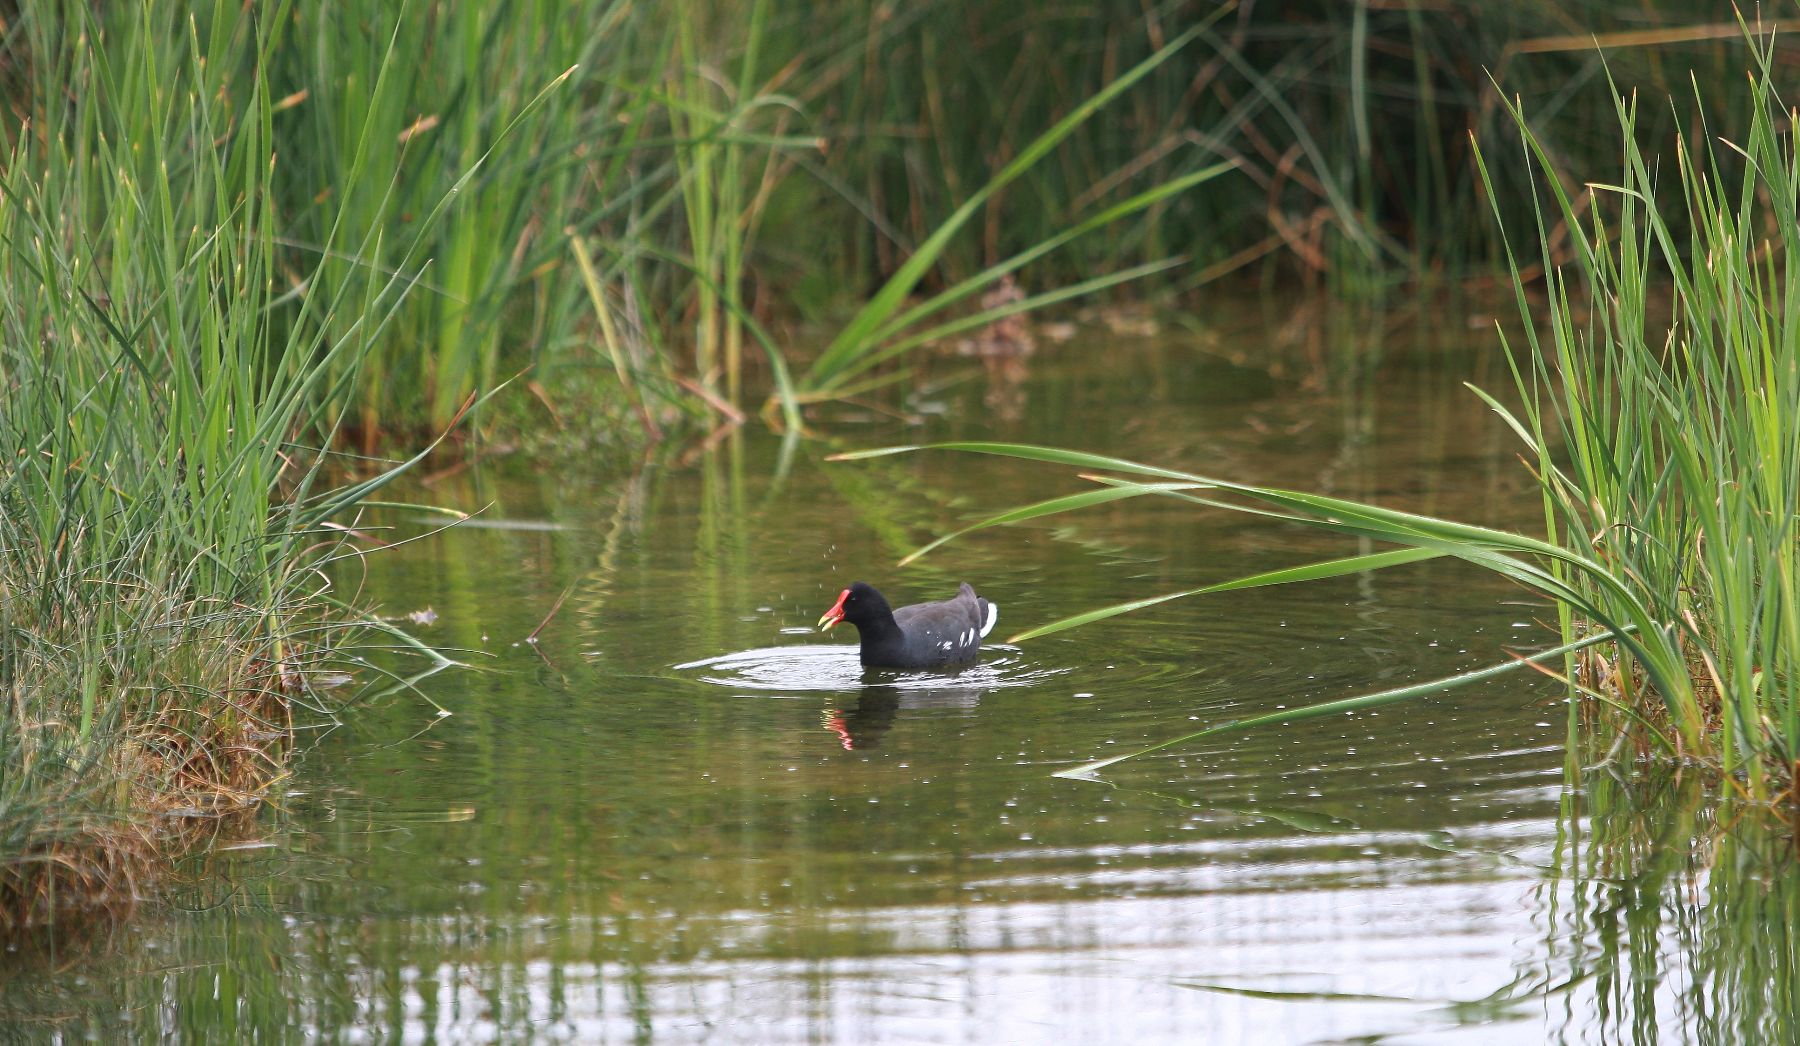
point(993, 616)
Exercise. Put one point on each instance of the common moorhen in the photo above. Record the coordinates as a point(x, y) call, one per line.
point(924, 635)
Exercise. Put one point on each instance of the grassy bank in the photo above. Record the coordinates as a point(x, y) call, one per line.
point(164, 514)
point(1663, 416)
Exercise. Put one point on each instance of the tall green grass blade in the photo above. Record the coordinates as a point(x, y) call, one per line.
point(974, 284)
point(1051, 455)
point(1286, 576)
point(987, 316)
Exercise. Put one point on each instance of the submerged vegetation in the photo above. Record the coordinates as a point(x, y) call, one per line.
point(237, 239)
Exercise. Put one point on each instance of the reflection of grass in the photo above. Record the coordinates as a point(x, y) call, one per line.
point(1671, 916)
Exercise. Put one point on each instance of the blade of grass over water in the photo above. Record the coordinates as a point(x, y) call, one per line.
point(1067, 503)
point(1654, 644)
point(1086, 771)
point(1287, 576)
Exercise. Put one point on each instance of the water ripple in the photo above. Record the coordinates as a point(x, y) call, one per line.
point(835, 667)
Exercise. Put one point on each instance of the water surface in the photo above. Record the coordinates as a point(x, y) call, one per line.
point(664, 809)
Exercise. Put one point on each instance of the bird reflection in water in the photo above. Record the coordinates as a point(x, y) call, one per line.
point(861, 726)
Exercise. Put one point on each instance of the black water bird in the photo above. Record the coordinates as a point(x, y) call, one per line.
point(924, 635)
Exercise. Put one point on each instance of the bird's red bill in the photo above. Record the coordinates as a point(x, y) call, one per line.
point(831, 618)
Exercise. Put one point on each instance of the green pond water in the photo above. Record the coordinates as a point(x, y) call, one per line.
point(679, 817)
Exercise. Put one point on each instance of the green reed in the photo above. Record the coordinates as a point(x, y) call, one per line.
point(166, 376)
point(372, 147)
point(726, 173)
point(886, 327)
point(737, 171)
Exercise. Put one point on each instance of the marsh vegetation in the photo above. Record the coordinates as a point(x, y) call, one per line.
point(259, 263)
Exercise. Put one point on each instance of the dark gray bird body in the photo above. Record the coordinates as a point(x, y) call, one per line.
point(925, 635)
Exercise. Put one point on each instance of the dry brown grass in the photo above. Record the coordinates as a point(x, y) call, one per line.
point(187, 768)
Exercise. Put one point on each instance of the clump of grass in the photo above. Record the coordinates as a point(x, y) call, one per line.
point(1663, 415)
point(161, 741)
point(164, 514)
